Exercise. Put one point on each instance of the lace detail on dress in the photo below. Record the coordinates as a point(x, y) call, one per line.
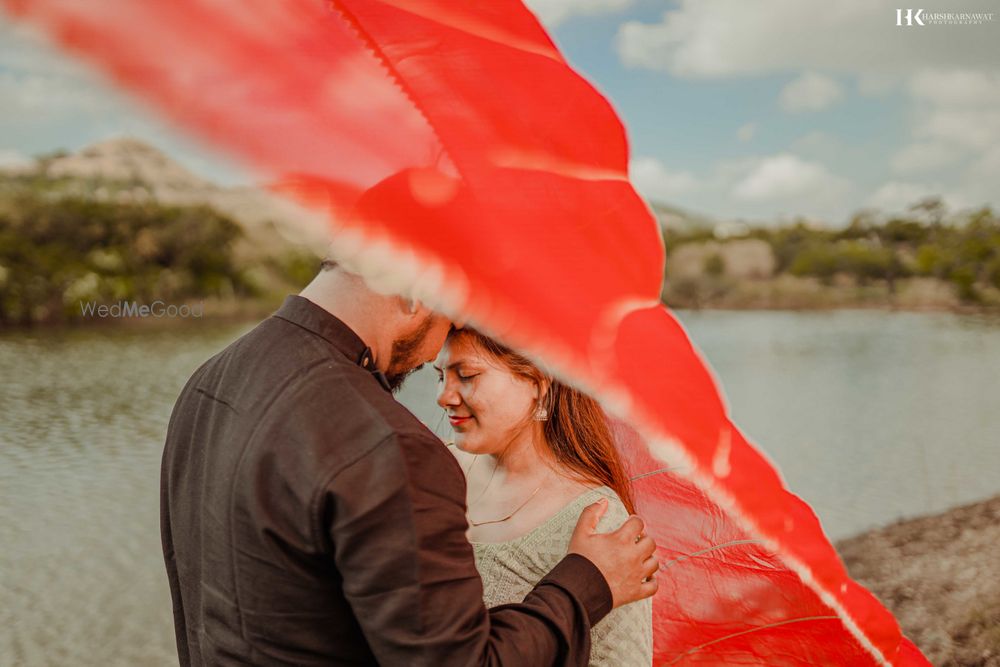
point(510, 569)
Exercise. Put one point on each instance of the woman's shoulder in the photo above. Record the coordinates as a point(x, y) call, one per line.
point(615, 515)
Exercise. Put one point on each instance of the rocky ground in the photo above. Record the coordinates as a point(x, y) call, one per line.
point(940, 575)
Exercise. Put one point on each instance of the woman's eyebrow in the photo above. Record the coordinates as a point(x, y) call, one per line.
point(455, 364)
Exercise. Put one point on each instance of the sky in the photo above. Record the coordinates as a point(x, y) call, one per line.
point(761, 111)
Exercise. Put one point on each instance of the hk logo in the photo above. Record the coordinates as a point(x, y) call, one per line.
point(911, 17)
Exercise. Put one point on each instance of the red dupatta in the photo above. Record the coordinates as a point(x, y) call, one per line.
point(503, 197)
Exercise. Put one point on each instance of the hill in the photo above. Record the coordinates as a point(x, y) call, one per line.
point(128, 171)
point(120, 220)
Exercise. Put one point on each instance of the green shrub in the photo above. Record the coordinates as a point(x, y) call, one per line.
point(714, 265)
point(58, 251)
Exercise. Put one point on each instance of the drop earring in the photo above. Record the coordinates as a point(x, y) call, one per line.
point(541, 414)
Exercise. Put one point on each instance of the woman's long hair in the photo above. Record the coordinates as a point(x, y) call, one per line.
point(576, 431)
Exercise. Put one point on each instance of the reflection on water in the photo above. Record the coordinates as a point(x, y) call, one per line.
point(870, 416)
point(84, 414)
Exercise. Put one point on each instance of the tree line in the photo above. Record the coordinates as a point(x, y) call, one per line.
point(962, 250)
point(57, 253)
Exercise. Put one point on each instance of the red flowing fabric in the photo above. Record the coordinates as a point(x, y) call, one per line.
point(459, 156)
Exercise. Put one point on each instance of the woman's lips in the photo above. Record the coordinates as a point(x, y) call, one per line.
point(458, 421)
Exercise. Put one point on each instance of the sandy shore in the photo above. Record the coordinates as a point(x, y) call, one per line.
point(940, 575)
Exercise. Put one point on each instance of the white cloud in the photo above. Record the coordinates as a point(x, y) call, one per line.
point(969, 187)
point(32, 98)
point(956, 127)
point(785, 176)
point(24, 48)
point(975, 129)
point(38, 83)
point(810, 92)
point(52, 100)
point(719, 38)
point(956, 88)
point(946, 77)
point(554, 12)
point(978, 186)
point(765, 188)
point(924, 156)
point(877, 84)
point(14, 159)
point(958, 107)
point(658, 183)
point(746, 132)
point(772, 188)
point(897, 196)
point(818, 144)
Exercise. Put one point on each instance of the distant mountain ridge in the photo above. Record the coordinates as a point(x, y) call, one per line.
point(128, 170)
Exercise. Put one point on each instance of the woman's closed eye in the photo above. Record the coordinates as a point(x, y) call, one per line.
point(461, 377)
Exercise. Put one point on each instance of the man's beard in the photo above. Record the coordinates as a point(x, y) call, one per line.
point(403, 360)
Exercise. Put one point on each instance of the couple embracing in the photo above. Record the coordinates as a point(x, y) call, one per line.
point(308, 518)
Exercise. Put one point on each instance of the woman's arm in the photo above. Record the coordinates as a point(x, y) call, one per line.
point(625, 637)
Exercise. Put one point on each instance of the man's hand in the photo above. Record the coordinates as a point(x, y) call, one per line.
point(625, 557)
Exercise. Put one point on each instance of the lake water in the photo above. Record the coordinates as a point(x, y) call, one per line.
point(870, 417)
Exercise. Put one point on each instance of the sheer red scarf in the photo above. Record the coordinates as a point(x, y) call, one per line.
point(503, 197)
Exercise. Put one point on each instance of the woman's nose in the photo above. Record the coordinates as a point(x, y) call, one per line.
point(446, 394)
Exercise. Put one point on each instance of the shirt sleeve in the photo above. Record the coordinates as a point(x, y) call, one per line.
point(396, 523)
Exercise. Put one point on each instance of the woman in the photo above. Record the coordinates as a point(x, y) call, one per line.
point(535, 453)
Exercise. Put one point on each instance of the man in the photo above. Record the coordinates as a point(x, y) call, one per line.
point(310, 519)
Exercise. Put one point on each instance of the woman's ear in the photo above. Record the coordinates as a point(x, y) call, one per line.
point(543, 385)
point(409, 306)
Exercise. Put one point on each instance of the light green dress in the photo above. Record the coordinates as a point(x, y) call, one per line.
point(623, 638)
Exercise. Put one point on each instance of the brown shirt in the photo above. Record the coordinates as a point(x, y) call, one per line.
point(310, 519)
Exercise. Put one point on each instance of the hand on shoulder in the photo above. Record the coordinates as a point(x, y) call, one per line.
point(626, 557)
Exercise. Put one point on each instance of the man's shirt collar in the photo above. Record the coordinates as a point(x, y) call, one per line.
point(304, 313)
